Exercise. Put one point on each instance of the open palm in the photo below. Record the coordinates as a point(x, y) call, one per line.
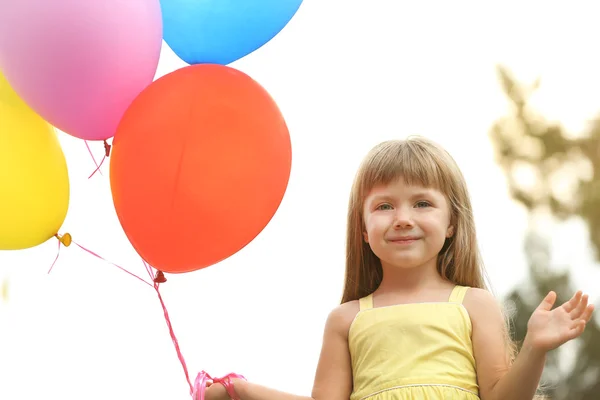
point(548, 329)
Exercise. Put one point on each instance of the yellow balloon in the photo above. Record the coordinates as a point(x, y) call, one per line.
point(34, 181)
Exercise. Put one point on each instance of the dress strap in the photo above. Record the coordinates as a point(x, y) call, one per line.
point(458, 294)
point(366, 303)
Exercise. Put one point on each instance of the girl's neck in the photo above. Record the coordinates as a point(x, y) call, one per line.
point(397, 279)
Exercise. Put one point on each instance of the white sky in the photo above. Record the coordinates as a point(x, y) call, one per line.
point(347, 75)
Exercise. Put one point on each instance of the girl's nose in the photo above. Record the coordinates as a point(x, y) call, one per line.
point(403, 219)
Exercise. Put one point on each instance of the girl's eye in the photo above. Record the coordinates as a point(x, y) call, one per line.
point(384, 207)
point(422, 204)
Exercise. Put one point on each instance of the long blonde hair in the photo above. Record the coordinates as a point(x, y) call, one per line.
point(423, 162)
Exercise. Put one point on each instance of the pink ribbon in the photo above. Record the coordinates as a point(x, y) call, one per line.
point(203, 378)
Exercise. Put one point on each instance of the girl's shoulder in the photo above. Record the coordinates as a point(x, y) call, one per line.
point(480, 302)
point(341, 317)
point(475, 296)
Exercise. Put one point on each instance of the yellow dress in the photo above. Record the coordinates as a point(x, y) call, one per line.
point(419, 351)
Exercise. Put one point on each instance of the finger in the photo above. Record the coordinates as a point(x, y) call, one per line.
point(571, 304)
point(587, 314)
point(576, 330)
point(548, 302)
point(580, 308)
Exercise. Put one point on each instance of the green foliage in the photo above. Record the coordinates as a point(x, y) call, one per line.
point(526, 142)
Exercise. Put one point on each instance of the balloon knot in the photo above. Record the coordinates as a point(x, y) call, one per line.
point(203, 378)
point(106, 149)
point(160, 277)
point(65, 239)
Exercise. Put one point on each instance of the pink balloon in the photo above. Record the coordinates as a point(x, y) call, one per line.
point(80, 63)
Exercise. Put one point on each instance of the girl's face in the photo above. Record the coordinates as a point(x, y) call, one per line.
point(405, 225)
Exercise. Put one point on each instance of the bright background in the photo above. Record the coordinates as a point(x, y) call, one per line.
point(346, 75)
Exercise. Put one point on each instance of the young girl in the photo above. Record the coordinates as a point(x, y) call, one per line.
point(416, 320)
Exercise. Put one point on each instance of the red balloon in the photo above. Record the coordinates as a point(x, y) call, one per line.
point(200, 163)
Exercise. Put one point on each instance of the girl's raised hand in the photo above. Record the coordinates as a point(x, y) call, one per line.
point(548, 329)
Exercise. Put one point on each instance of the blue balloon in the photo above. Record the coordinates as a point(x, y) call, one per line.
point(222, 31)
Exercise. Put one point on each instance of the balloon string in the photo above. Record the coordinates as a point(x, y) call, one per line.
point(94, 159)
point(98, 167)
point(160, 278)
point(107, 148)
point(148, 268)
point(173, 337)
point(103, 259)
point(68, 241)
point(198, 389)
point(56, 259)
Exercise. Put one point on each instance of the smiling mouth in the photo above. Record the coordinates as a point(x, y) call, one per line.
point(404, 240)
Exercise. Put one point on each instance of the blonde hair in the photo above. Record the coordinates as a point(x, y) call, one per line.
point(418, 161)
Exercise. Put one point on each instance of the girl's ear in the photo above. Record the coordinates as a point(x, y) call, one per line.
point(366, 237)
point(450, 231)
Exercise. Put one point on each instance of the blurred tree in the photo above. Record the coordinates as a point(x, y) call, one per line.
point(563, 180)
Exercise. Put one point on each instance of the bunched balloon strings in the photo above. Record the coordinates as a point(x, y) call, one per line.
point(198, 389)
point(173, 337)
